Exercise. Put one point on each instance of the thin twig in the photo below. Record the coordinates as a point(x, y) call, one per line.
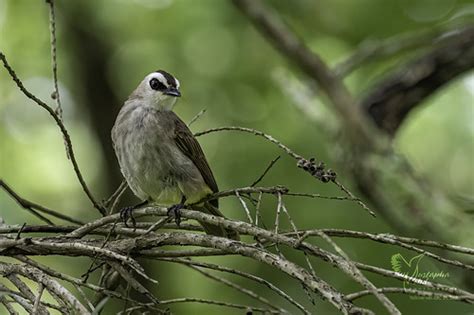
point(84, 296)
point(54, 63)
point(268, 168)
point(198, 115)
point(351, 195)
point(38, 298)
point(200, 252)
point(17, 297)
point(254, 132)
point(116, 194)
point(203, 301)
point(18, 235)
point(276, 227)
point(402, 277)
point(64, 131)
point(296, 194)
point(76, 247)
point(374, 49)
point(24, 290)
point(295, 229)
point(31, 206)
point(68, 278)
point(357, 275)
point(291, 46)
point(244, 205)
point(291, 153)
point(57, 290)
point(413, 292)
point(244, 190)
point(25, 206)
point(240, 273)
point(239, 288)
point(157, 225)
point(130, 279)
point(257, 208)
point(5, 302)
point(395, 240)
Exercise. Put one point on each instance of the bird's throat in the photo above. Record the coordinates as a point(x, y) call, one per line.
point(165, 102)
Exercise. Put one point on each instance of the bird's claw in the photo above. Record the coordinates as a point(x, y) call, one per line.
point(127, 214)
point(175, 211)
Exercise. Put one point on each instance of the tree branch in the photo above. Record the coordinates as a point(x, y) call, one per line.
point(391, 100)
point(280, 35)
point(51, 285)
point(65, 133)
point(34, 206)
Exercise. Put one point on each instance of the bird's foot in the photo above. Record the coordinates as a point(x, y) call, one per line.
point(175, 211)
point(127, 214)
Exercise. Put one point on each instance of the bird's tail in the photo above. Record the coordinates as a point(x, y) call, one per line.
point(215, 229)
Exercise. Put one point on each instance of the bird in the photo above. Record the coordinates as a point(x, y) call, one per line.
point(159, 156)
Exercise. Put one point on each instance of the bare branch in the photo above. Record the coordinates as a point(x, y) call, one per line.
point(17, 297)
point(256, 133)
point(374, 50)
point(351, 195)
point(240, 289)
point(198, 115)
point(51, 285)
point(54, 63)
point(267, 169)
point(26, 293)
point(414, 292)
point(37, 303)
point(31, 206)
point(399, 241)
point(296, 51)
point(425, 283)
point(5, 302)
point(393, 239)
point(115, 196)
point(203, 301)
point(359, 277)
point(240, 273)
point(317, 170)
point(70, 279)
point(77, 248)
point(137, 286)
point(392, 99)
point(65, 133)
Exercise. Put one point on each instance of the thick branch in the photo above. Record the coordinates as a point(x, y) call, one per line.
point(283, 38)
point(142, 245)
point(392, 100)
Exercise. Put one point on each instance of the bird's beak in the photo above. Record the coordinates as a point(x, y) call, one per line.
point(172, 91)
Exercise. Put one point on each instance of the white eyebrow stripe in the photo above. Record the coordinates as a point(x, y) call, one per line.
point(177, 83)
point(161, 78)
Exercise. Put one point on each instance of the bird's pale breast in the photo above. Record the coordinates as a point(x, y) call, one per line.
point(153, 165)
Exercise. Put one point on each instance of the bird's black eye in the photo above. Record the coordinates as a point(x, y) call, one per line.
point(155, 84)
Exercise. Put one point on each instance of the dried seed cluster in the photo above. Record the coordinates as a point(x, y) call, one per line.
point(317, 169)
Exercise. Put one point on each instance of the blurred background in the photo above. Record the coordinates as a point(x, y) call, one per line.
point(226, 67)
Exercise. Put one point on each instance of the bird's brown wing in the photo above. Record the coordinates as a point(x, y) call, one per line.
point(188, 144)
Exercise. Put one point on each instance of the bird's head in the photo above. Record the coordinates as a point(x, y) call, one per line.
point(159, 89)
